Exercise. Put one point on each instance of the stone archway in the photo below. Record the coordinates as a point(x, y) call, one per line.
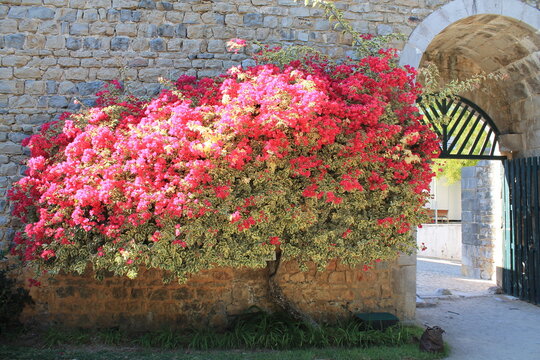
point(465, 37)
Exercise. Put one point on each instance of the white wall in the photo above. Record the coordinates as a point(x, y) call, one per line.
point(446, 196)
point(442, 241)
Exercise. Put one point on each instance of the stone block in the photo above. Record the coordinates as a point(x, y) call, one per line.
point(69, 15)
point(147, 4)
point(92, 43)
point(119, 43)
point(11, 148)
point(89, 88)
point(17, 137)
point(73, 43)
point(158, 45)
point(253, 19)
point(216, 46)
point(58, 101)
point(27, 73)
point(35, 41)
point(34, 87)
point(76, 74)
point(125, 15)
point(51, 86)
point(29, 25)
point(10, 87)
point(90, 15)
point(191, 46)
point(15, 41)
point(78, 29)
point(101, 28)
point(51, 27)
point(42, 13)
point(138, 62)
point(270, 22)
point(9, 26)
point(6, 73)
point(192, 18)
point(384, 29)
point(114, 15)
point(234, 19)
point(17, 12)
point(166, 30)
point(126, 30)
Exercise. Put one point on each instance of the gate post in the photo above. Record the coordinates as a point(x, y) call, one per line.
point(481, 195)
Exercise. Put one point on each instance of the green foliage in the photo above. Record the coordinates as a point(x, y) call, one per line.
point(435, 90)
point(55, 336)
point(451, 168)
point(252, 330)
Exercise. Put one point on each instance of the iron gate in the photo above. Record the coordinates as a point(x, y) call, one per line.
point(521, 274)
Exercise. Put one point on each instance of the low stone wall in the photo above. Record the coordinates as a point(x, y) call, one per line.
point(212, 298)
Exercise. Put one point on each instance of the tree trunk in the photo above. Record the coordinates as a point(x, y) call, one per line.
point(279, 298)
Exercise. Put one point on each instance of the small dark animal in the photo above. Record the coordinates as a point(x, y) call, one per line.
point(431, 340)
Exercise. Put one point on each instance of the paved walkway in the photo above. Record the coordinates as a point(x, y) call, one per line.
point(434, 274)
point(478, 325)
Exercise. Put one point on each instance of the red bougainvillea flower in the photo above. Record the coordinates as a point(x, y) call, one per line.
point(323, 160)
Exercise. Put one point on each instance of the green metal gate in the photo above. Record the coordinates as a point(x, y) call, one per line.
point(521, 274)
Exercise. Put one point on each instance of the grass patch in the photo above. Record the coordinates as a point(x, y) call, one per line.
point(259, 335)
point(404, 352)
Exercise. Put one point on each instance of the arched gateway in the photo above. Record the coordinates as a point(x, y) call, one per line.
point(462, 38)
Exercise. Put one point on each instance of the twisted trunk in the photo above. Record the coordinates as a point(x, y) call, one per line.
point(279, 297)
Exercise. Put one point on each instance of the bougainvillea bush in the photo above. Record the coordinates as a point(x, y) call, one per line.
point(318, 160)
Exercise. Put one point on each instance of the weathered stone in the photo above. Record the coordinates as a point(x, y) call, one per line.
point(58, 101)
point(119, 43)
point(73, 43)
point(89, 88)
point(69, 15)
point(50, 28)
point(90, 15)
point(6, 73)
point(76, 74)
point(192, 18)
point(126, 30)
point(34, 87)
point(139, 62)
point(92, 43)
point(191, 46)
point(10, 148)
point(78, 29)
point(383, 29)
point(17, 137)
point(166, 30)
point(158, 45)
point(147, 4)
point(27, 73)
point(30, 25)
point(253, 19)
point(17, 12)
point(15, 41)
point(42, 13)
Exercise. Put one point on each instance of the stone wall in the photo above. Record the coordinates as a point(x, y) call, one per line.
point(53, 51)
point(212, 298)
